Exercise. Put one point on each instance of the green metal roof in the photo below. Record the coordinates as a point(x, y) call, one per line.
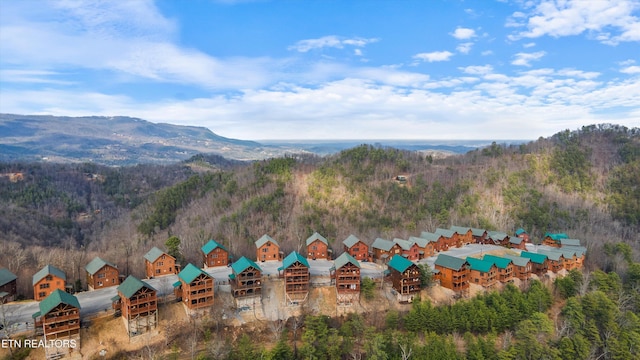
point(6, 276)
point(479, 265)
point(460, 229)
point(579, 250)
point(569, 242)
point(520, 231)
point(48, 270)
point(432, 237)
point(382, 244)
point(242, 264)
point(535, 258)
point(56, 298)
point(518, 260)
point(343, 260)
point(450, 262)
point(501, 262)
point(350, 241)
point(421, 242)
point(552, 255)
point(115, 298)
point(265, 239)
point(445, 232)
point(497, 235)
point(210, 246)
point(153, 254)
point(131, 285)
point(292, 259)
point(404, 244)
point(478, 232)
point(97, 264)
point(399, 263)
point(516, 240)
point(556, 237)
point(190, 273)
point(177, 283)
point(315, 237)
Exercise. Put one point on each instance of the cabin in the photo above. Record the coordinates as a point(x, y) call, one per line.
point(267, 249)
point(58, 318)
point(483, 273)
point(504, 265)
point(346, 275)
point(405, 278)
point(137, 303)
point(521, 267)
point(101, 274)
point(297, 280)
point(194, 288)
point(214, 254)
point(47, 280)
point(551, 239)
point(425, 247)
point(318, 247)
point(453, 273)
point(556, 259)
point(498, 238)
point(246, 282)
point(579, 251)
point(539, 262)
point(410, 250)
point(517, 243)
point(159, 263)
point(436, 241)
point(465, 234)
point(522, 233)
point(8, 286)
point(384, 249)
point(451, 237)
point(356, 248)
point(570, 258)
point(479, 235)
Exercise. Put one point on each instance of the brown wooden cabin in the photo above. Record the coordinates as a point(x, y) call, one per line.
point(410, 250)
point(539, 262)
point(8, 286)
point(405, 277)
point(479, 235)
point(47, 280)
point(101, 274)
point(346, 275)
point(267, 249)
point(245, 278)
point(295, 271)
point(522, 233)
point(58, 319)
point(465, 235)
point(505, 267)
point(317, 247)
point(425, 246)
point(517, 243)
point(214, 254)
point(137, 302)
point(194, 288)
point(483, 273)
point(453, 273)
point(159, 263)
point(498, 238)
point(356, 248)
point(556, 259)
point(553, 240)
point(522, 267)
point(451, 238)
point(383, 250)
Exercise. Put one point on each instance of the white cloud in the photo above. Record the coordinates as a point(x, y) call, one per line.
point(434, 56)
point(486, 53)
point(330, 41)
point(609, 22)
point(524, 59)
point(477, 70)
point(529, 45)
point(463, 33)
point(464, 48)
point(631, 70)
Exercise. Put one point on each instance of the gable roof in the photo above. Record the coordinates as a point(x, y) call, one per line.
point(6, 276)
point(292, 259)
point(579, 250)
point(516, 240)
point(450, 262)
point(520, 231)
point(153, 254)
point(242, 264)
point(569, 242)
point(48, 270)
point(131, 285)
point(501, 262)
point(210, 246)
point(535, 258)
point(445, 232)
point(382, 244)
point(190, 273)
point(315, 236)
point(460, 229)
point(96, 264)
point(518, 260)
point(56, 298)
point(343, 260)
point(479, 265)
point(478, 232)
point(432, 237)
point(404, 244)
point(350, 241)
point(421, 242)
point(552, 255)
point(497, 235)
point(265, 239)
point(399, 263)
point(557, 236)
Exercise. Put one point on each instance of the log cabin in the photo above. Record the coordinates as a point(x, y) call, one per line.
point(137, 302)
point(521, 267)
point(453, 273)
point(58, 318)
point(47, 280)
point(504, 265)
point(246, 282)
point(425, 246)
point(295, 271)
point(8, 286)
point(317, 247)
point(159, 263)
point(410, 250)
point(383, 250)
point(101, 274)
point(483, 273)
point(346, 275)
point(356, 248)
point(539, 262)
point(405, 278)
point(267, 249)
point(465, 234)
point(195, 289)
point(214, 254)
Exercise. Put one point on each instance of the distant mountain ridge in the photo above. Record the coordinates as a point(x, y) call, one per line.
point(116, 140)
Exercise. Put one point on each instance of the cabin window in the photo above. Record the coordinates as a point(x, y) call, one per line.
point(44, 286)
point(356, 249)
point(160, 263)
point(101, 275)
point(265, 250)
point(314, 247)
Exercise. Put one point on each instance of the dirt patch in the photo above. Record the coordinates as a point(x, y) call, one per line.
point(322, 300)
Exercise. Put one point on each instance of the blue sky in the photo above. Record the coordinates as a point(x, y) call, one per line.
point(361, 69)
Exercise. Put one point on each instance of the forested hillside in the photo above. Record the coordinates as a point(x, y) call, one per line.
point(584, 183)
